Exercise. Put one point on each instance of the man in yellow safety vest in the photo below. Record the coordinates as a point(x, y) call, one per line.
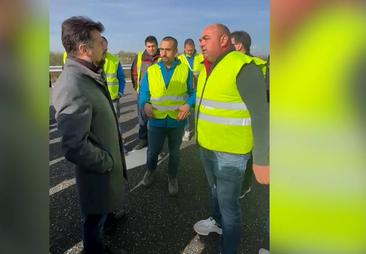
point(138, 69)
point(231, 122)
point(166, 94)
point(194, 61)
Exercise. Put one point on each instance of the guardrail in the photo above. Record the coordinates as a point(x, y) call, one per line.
point(58, 68)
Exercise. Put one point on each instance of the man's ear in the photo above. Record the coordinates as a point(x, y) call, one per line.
point(82, 49)
point(224, 40)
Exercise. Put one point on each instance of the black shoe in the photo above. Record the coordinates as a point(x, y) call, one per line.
point(173, 186)
point(148, 178)
point(111, 250)
point(114, 219)
point(142, 143)
point(119, 215)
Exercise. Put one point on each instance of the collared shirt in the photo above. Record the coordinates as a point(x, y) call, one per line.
point(167, 73)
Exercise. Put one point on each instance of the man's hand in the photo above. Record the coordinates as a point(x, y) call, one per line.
point(183, 112)
point(148, 108)
point(261, 173)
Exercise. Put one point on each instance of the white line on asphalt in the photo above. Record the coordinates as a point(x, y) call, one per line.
point(75, 249)
point(159, 162)
point(55, 140)
point(136, 158)
point(61, 186)
point(194, 245)
point(137, 185)
point(53, 130)
point(56, 161)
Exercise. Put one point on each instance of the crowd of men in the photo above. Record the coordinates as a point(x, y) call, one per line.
point(218, 95)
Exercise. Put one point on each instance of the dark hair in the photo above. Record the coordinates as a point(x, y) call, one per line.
point(105, 39)
point(189, 41)
point(76, 30)
point(243, 38)
point(151, 39)
point(170, 38)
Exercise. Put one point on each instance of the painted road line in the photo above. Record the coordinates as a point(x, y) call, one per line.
point(56, 161)
point(53, 130)
point(75, 249)
point(55, 140)
point(61, 186)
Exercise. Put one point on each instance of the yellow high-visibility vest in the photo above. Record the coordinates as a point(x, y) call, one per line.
point(64, 56)
point(223, 120)
point(138, 70)
point(197, 62)
point(261, 64)
point(166, 100)
point(110, 69)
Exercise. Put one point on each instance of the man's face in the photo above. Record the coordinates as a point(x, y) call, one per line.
point(151, 48)
point(96, 49)
point(211, 43)
point(167, 52)
point(189, 49)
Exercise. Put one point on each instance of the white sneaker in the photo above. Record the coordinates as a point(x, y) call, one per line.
point(186, 136)
point(263, 251)
point(204, 227)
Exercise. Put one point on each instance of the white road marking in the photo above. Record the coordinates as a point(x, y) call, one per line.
point(61, 186)
point(75, 249)
point(53, 130)
point(56, 161)
point(55, 140)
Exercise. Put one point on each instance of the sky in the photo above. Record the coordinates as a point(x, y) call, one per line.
point(128, 22)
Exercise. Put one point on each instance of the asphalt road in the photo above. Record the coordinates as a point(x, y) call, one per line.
point(157, 223)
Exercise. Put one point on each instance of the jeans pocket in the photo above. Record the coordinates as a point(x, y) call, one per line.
point(232, 162)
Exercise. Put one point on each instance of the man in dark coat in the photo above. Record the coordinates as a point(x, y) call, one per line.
point(89, 127)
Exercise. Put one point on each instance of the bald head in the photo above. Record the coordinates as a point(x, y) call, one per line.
point(221, 29)
point(215, 41)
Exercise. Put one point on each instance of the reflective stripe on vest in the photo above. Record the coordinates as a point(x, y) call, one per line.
point(220, 105)
point(110, 69)
point(223, 120)
point(170, 98)
point(166, 100)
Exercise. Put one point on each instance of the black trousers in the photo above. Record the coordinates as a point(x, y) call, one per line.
point(142, 123)
point(92, 225)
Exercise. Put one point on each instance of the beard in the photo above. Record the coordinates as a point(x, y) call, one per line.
point(102, 62)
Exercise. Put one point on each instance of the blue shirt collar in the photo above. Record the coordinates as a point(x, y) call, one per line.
point(174, 64)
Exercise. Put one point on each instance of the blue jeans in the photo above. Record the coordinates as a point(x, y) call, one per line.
point(92, 231)
point(224, 172)
point(156, 137)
